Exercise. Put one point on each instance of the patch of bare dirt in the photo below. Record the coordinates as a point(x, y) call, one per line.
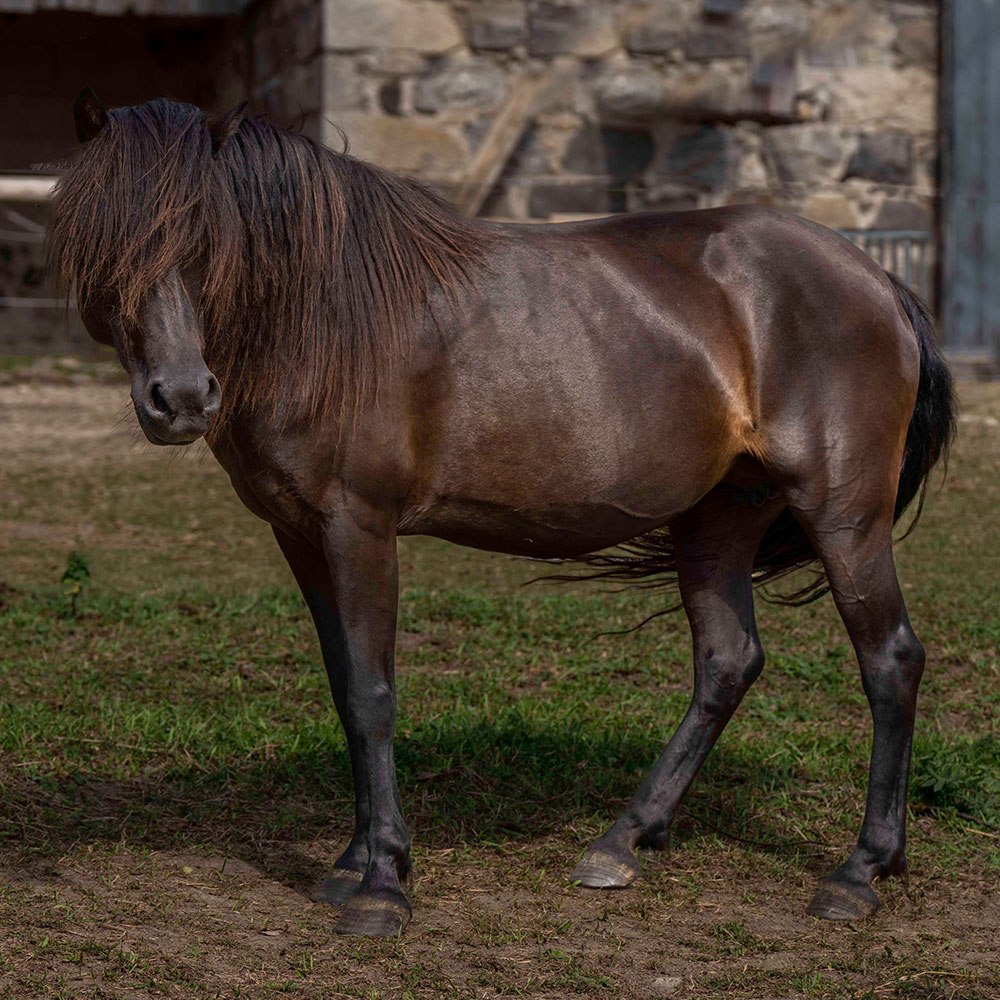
point(203, 924)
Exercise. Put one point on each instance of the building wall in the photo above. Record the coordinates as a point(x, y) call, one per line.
point(821, 106)
point(825, 107)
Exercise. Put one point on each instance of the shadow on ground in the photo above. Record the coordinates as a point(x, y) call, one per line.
point(476, 783)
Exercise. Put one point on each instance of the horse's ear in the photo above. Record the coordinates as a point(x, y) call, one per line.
point(223, 127)
point(89, 114)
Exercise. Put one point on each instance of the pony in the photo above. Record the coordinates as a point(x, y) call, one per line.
point(733, 393)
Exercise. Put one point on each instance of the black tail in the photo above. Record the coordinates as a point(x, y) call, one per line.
point(649, 560)
point(932, 425)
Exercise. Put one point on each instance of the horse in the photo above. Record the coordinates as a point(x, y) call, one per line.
point(706, 399)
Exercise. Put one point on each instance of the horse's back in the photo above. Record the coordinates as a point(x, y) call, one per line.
point(606, 375)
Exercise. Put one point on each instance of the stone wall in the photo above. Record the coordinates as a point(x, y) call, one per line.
point(827, 108)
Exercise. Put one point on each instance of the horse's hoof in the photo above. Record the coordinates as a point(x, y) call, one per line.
point(834, 901)
point(600, 870)
point(379, 915)
point(338, 886)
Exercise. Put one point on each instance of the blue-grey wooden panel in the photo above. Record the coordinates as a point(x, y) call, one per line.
point(970, 291)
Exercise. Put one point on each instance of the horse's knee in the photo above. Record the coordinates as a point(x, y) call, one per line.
point(724, 676)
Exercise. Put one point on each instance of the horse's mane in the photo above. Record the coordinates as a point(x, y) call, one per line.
point(317, 267)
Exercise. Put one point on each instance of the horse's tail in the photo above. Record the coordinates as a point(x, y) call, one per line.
point(932, 425)
point(650, 559)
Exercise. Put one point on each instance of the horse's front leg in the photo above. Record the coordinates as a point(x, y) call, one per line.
point(313, 577)
point(351, 589)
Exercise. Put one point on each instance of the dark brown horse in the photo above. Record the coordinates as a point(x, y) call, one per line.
point(738, 391)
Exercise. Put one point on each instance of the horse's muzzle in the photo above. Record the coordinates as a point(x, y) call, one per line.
point(178, 408)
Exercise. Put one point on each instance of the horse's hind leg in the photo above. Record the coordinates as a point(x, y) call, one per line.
point(716, 542)
point(857, 554)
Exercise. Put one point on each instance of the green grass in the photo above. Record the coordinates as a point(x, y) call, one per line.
point(172, 704)
point(513, 720)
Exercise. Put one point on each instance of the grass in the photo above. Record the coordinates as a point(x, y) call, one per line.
point(166, 710)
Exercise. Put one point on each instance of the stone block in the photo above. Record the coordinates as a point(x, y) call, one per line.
point(571, 199)
point(392, 62)
point(342, 85)
point(450, 85)
point(411, 146)
point(808, 153)
point(711, 40)
point(901, 214)
point(570, 93)
point(406, 24)
point(886, 158)
point(886, 99)
point(831, 208)
point(917, 41)
point(833, 54)
point(705, 92)
point(583, 29)
point(653, 30)
point(496, 26)
point(702, 157)
point(628, 92)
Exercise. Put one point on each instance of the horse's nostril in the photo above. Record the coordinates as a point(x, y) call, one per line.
point(157, 400)
point(213, 388)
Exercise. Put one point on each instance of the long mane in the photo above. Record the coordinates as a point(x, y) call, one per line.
point(316, 267)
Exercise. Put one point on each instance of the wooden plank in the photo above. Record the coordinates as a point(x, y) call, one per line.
point(502, 138)
point(24, 187)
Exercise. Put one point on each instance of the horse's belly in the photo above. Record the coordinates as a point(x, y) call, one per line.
point(551, 531)
point(588, 484)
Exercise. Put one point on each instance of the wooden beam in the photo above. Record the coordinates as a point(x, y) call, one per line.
point(504, 135)
point(24, 187)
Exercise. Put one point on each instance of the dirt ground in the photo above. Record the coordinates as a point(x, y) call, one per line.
point(128, 920)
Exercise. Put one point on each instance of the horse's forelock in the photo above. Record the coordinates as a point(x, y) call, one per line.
point(317, 267)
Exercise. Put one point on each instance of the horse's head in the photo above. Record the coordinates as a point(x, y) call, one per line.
point(148, 310)
point(174, 393)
